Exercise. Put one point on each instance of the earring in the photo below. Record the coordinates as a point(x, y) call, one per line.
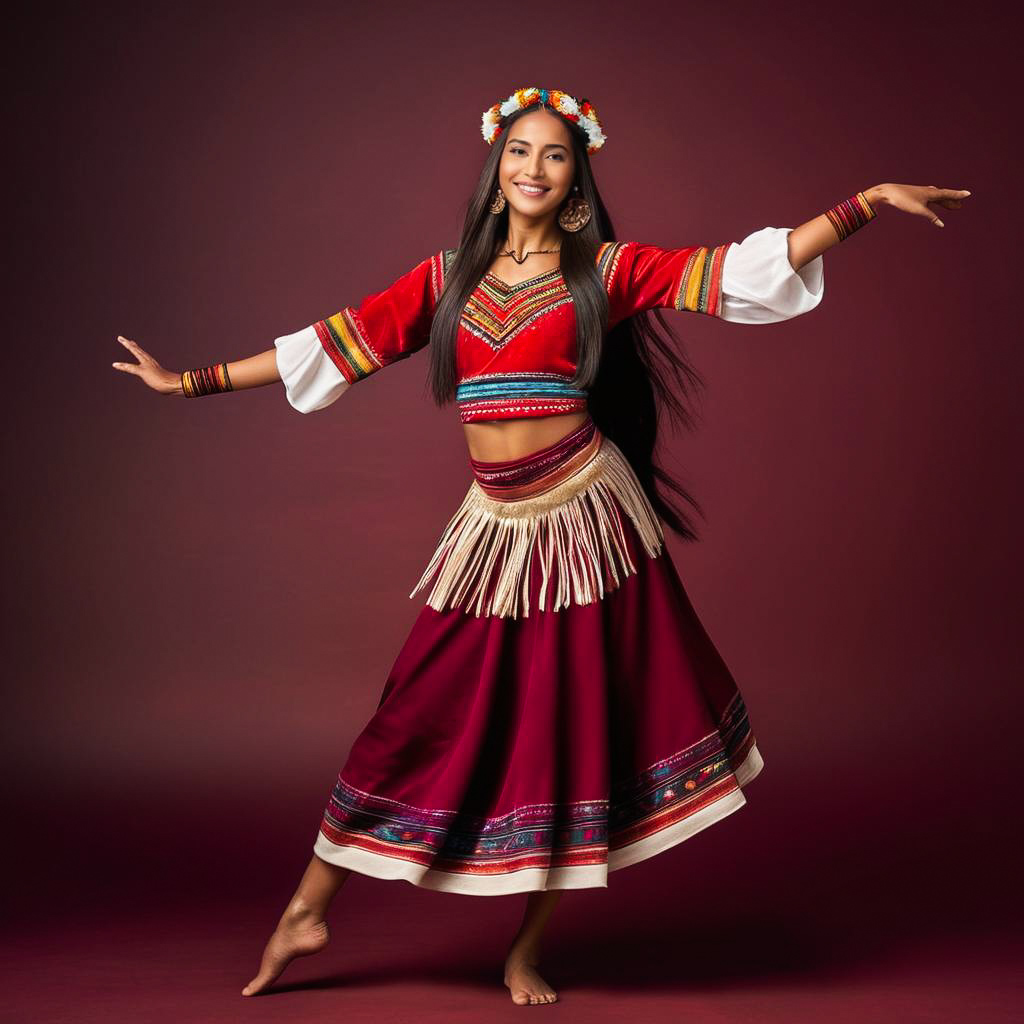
point(498, 202)
point(575, 214)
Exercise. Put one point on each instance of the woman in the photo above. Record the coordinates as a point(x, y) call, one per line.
point(557, 711)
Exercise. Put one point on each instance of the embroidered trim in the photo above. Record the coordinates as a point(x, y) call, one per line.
point(487, 392)
point(547, 834)
point(507, 410)
point(346, 342)
point(699, 289)
point(496, 312)
point(608, 256)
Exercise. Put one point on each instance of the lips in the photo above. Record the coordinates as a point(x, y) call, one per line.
point(531, 190)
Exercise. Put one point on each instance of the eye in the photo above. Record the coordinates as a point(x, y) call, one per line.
point(561, 156)
point(517, 150)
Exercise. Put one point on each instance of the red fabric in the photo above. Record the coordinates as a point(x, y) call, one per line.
point(650, 277)
point(396, 321)
point(509, 335)
point(492, 717)
point(502, 744)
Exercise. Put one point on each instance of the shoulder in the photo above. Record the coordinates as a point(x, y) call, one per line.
point(435, 268)
point(441, 265)
point(610, 257)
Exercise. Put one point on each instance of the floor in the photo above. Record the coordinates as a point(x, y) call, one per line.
point(401, 954)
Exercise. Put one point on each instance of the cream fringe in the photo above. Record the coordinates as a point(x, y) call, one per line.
point(572, 524)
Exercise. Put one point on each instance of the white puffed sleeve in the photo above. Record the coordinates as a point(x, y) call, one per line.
point(759, 284)
point(311, 380)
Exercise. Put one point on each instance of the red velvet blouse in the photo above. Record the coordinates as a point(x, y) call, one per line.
point(516, 344)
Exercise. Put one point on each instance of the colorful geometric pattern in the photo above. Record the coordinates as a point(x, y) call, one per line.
point(361, 339)
point(547, 835)
point(608, 256)
point(486, 394)
point(345, 341)
point(496, 312)
point(699, 287)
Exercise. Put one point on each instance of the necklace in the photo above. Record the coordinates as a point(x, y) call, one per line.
point(520, 262)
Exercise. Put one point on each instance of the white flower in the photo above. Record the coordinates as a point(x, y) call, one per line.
point(566, 104)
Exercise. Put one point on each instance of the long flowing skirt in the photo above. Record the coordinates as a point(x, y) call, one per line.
point(557, 710)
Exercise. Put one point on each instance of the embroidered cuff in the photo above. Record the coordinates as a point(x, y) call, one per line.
point(699, 288)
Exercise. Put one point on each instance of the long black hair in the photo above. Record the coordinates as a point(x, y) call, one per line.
point(631, 372)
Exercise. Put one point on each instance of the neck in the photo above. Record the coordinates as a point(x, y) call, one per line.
point(528, 234)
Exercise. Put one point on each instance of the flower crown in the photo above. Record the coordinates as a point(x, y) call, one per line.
point(581, 111)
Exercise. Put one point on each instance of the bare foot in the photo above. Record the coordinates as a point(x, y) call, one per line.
point(523, 981)
point(300, 932)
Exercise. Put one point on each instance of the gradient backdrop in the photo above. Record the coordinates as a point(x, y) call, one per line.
point(203, 599)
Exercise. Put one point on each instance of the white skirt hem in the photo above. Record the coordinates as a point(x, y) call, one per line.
point(589, 876)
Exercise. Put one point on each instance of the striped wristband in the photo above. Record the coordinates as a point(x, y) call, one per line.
point(207, 380)
point(851, 214)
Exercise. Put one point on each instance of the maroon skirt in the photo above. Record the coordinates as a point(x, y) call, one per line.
point(557, 711)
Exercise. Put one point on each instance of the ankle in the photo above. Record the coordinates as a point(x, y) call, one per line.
point(300, 912)
point(523, 952)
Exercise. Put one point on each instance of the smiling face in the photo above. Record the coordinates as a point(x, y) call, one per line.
point(537, 165)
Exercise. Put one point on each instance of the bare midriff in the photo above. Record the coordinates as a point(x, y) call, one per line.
point(502, 440)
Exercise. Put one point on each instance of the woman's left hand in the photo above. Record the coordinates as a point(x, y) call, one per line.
point(916, 199)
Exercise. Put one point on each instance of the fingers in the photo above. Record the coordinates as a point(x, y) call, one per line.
point(944, 196)
point(130, 345)
point(136, 351)
point(950, 198)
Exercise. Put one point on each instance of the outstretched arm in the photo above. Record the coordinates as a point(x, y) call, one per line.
point(813, 237)
point(320, 362)
point(252, 372)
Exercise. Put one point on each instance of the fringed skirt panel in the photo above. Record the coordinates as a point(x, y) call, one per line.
point(558, 711)
point(565, 510)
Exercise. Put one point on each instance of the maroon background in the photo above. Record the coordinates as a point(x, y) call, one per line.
point(204, 598)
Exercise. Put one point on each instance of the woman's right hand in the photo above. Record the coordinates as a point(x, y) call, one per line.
point(159, 379)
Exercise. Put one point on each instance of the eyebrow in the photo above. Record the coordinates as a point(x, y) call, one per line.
point(548, 146)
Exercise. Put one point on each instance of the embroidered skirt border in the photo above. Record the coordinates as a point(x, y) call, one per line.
point(545, 846)
point(522, 745)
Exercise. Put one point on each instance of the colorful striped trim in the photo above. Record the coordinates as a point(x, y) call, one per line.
point(608, 256)
point(699, 289)
point(497, 312)
point(540, 471)
point(850, 215)
point(644, 814)
point(506, 409)
point(346, 343)
point(573, 532)
point(486, 391)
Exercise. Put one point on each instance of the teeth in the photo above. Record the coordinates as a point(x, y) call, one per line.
point(531, 188)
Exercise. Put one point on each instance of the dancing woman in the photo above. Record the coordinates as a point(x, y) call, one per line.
point(557, 711)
